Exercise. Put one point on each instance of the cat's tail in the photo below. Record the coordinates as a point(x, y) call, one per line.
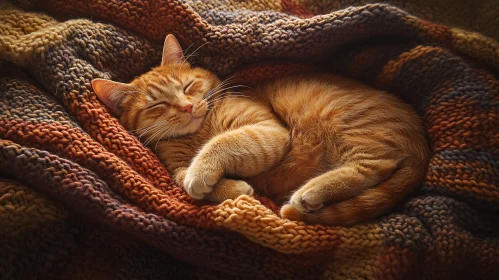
point(369, 204)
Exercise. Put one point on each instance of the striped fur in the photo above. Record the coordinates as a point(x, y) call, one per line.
point(333, 150)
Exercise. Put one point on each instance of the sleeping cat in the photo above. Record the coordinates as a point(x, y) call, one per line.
point(333, 150)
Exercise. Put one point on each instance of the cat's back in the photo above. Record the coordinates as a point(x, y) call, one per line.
point(309, 101)
point(329, 110)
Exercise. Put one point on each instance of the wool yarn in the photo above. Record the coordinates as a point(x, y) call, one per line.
point(80, 197)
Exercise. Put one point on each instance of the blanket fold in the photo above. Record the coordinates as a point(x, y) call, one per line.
point(74, 183)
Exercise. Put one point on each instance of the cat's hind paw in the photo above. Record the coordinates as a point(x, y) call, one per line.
point(288, 211)
point(306, 201)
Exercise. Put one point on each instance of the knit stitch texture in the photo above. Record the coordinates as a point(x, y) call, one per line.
point(81, 198)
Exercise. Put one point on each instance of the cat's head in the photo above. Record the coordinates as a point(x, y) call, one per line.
point(168, 101)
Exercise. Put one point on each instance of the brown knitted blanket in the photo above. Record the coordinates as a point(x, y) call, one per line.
point(81, 198)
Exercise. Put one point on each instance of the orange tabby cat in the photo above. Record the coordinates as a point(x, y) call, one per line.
point(333, 150)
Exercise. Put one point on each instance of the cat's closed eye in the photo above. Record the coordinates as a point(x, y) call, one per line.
point(157, 105)
point(188, 87)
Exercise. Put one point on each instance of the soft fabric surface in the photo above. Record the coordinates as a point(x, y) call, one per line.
point(81, 198)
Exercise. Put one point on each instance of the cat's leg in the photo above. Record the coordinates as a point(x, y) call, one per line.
point(246, 151)
point(334, 187)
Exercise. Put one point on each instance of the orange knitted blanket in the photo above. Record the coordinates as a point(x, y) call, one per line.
point(80, 197)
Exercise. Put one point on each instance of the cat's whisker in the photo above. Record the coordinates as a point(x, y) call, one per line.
point(185, 59)
point(143, 134)
point(231, 94)
point(151, 138)
point(228, 80)
point(192, 55)
point(214, 94)
point(214, 91)
point(149, 128)
point(188, 48)
point(152, 125)
point(216, 100)
point(175, 74)
point(235, 86)
point(228, 94)
point(224, 90)
point(224, 98)
point(234, 92)
point(163, 132)
point(146, 130)
point(167, 130)
point(202, 45)
point(211, 93)
point(182, 64)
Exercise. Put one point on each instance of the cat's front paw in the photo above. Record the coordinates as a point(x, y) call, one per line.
point(200, 179)
point(229, 189)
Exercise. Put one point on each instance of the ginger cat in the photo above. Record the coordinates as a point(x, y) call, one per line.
point(333, 150)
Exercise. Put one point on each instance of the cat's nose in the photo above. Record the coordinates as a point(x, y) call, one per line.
point(187, 108)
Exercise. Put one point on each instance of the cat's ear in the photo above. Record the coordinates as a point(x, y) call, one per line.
point(172, 51)
point(111, 94)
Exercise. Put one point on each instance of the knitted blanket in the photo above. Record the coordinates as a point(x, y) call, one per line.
point(81, 198)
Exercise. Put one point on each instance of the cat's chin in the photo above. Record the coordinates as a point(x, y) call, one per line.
point(192, 126)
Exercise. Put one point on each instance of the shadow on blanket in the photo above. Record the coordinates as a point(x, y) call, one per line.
point(81, 198)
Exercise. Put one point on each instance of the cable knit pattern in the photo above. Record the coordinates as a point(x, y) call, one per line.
point(80, 197)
